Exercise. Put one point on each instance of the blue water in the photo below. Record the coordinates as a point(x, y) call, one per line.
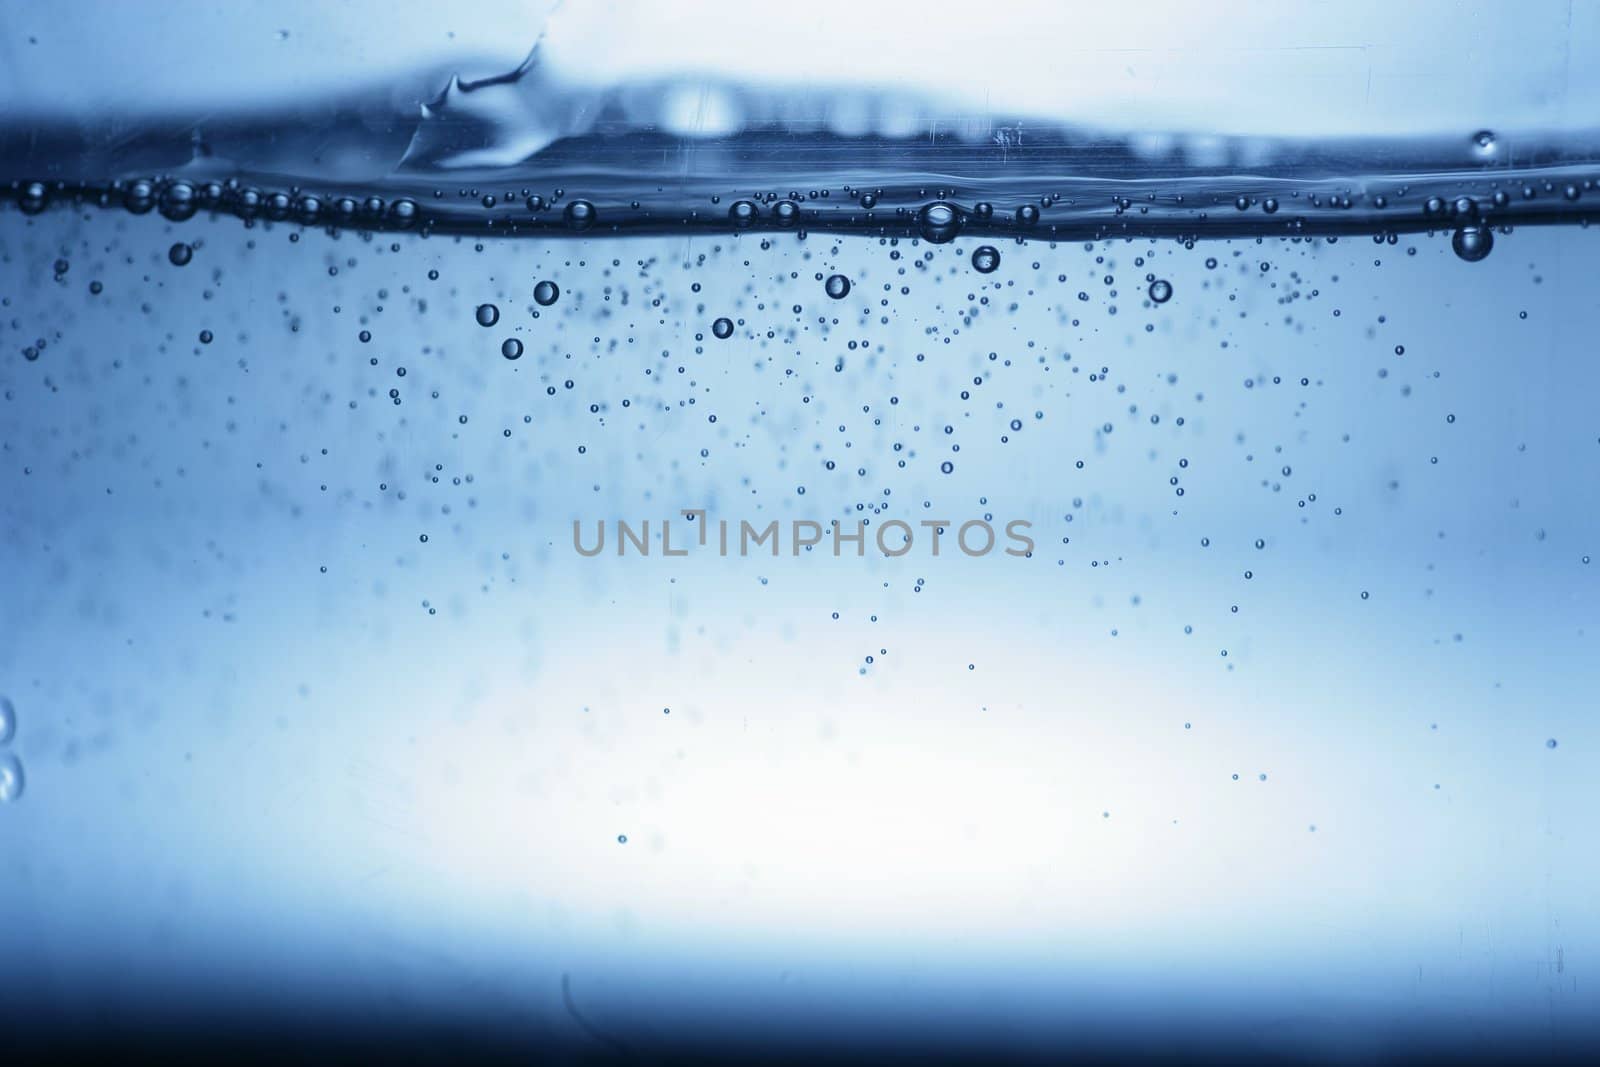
point(321, 731)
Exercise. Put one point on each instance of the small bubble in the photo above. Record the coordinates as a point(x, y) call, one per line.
point(403, 212)
point(743, 213)
point(178, 201)
point(1550, 743)
point(33, 198)
point(488, 315)
point(722, 328)
point(1160, 291)
point(8, 721)
point(580, 215)
point(1472, 243)
point(622, 839)
point(837, 286)
point(985, 259)
point(546, 293)
point(12, 780)
point(140, 197)
point(939, 222)
point(511, 348)
point(180, 254)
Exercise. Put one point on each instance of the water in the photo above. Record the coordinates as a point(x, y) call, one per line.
point(518, 577)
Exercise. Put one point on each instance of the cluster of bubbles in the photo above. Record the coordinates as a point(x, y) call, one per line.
point(11, 777)
point(1467, 218)
point(180, 200)
point(545, 293)
point(937, 223)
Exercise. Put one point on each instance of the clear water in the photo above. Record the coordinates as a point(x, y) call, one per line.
point(1271, 734)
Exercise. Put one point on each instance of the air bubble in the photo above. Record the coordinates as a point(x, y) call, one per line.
point(546, 293)
point(938, 223)
point(12, 780)
point(580, 215)
point(178, 201)
point(488, 315)
point(1472, 243)
point(722, 328)
point(140, 197)
point(33, 198)
point(837, 286)
point(985, 259)
point(511, 348)
point(180, 254)
point(8, 721)
point(1160, 291)
point(403, 213)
